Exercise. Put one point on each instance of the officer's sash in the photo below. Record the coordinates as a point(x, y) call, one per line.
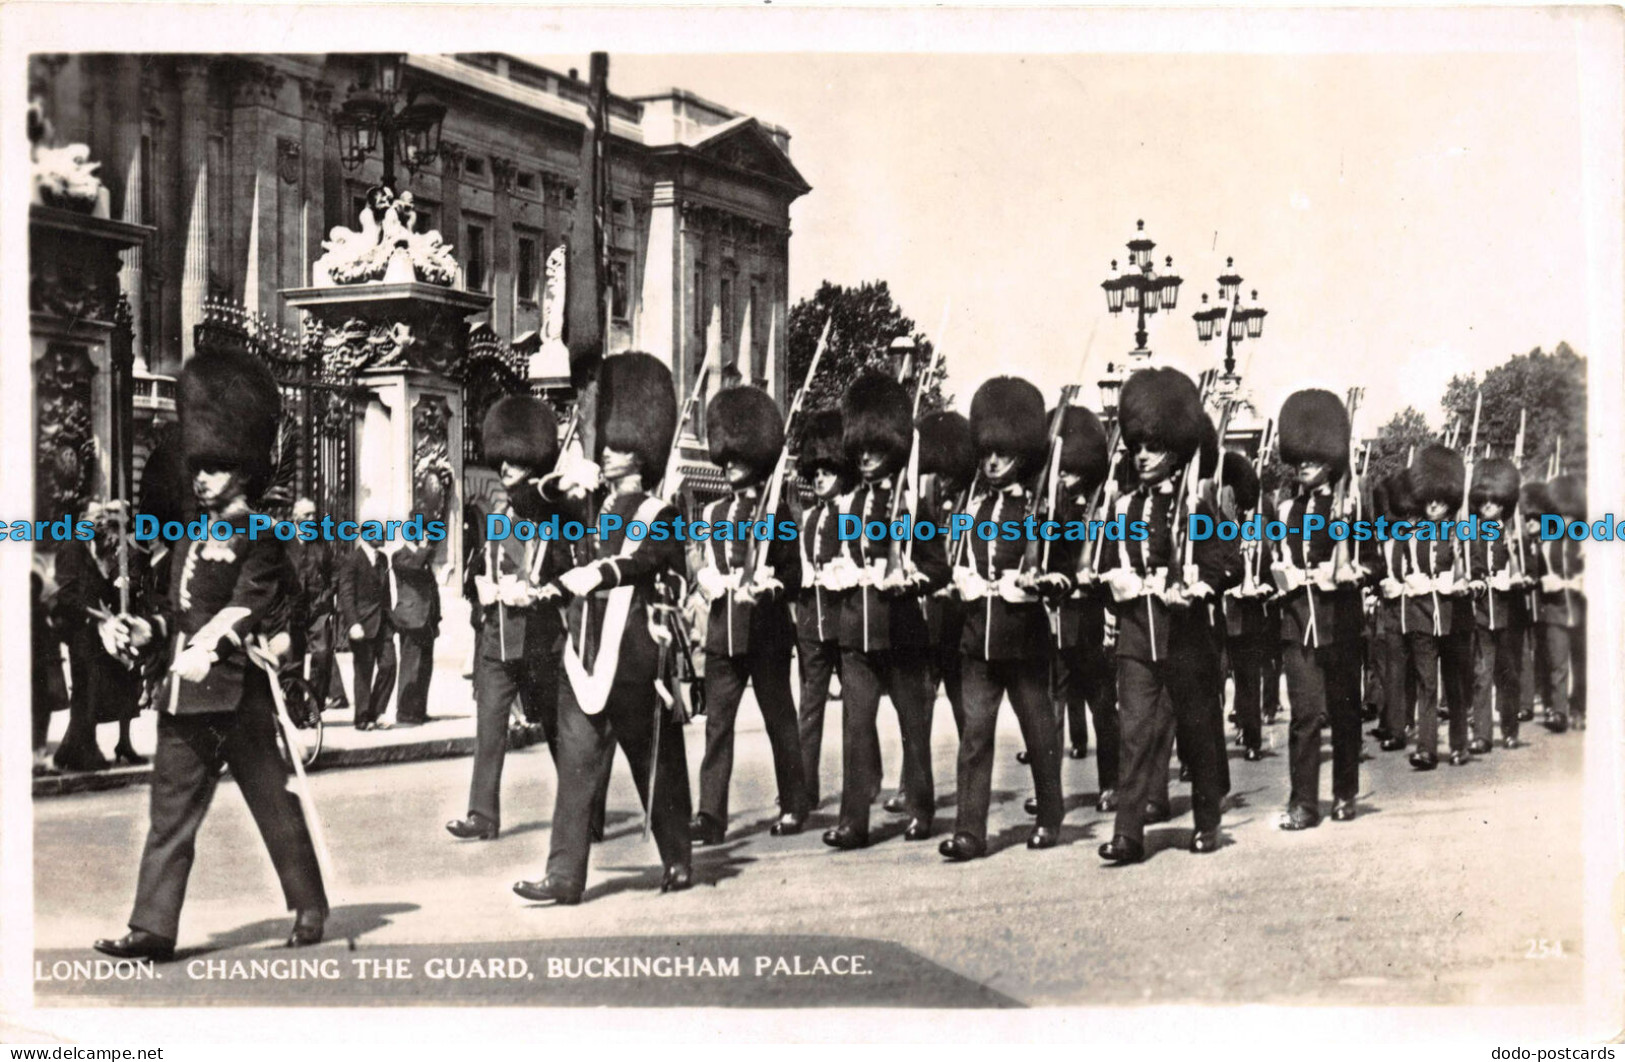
point(592, 687)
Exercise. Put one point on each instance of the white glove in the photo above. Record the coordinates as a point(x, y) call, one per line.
point(1501, 581)
point(1287, 577)
point(1577, 584)
point(839, 574)
point(971, 587)
point(1391, 588)
point(485, 588)
point(192, 663)
point(513, 592)
point(712, 583)
point(1325, 577)
point(578, 477)
point(1445, 583)
point(1198, 590)
point(581, 581)
point(1124, 584)
point(1012, 592)
point(766, 581)
point(1417, 584)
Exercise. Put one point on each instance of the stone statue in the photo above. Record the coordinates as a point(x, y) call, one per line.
point(552, 359)
point(386, 248)
point(62, 177)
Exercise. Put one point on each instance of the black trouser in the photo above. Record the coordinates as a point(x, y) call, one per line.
point(951, 670)
point(1577, 660)
point(1561, 652)
point(374, 675)
point(534, 679)
point(725, 678)
point(1088, 678)
point(1027, 684)
point(1496, 659)
point(819, 661)
point(1324, 687)
point(1391, 651)
point(1449, 656)
point(185, 771)
point(1248, 653)
point(1147, 695)
point(324, 681)
point(905, 676)
point(417, 668)
point(586, 753)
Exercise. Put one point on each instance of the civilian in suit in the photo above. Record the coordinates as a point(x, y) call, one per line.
point(364, 609)
point(315, 637)
point(218, 708)
point(416, 616)
point(749, 633)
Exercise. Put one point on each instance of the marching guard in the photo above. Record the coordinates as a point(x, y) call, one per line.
point(1166, 649)
point(1500, 616)
point(885, 639)
point(1321, 610)
point(219, 706)
point(1438, 617)
point(1247, 619)
point(1395, 499)
point(613, 656)
point(1561, 599)
point(520, 635)
point(750, 633)
point(948, 457)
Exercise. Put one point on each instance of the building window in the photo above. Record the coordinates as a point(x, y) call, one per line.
point(525, 268)
point(620, 288)
point(474, 166)
point(700, 321)
point(474, 265)
point(527, 181)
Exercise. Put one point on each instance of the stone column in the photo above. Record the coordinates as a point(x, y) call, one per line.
point(192, 262)
point(662, 292)
point(502, 278)
point(451, 196)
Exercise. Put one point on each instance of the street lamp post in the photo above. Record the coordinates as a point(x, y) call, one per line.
point(370, 118)
point(1142, 289)
point(1245, 322)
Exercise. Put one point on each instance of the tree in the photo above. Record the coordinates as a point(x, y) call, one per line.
point(1392, 447)
point(1550, 387)
point(866, 320)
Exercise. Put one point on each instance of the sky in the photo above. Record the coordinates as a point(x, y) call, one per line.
point(1403, 216)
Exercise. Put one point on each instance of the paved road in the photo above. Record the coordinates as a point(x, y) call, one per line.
point(1432, 895)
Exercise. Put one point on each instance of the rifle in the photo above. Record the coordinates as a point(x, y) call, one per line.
point(1517, 507)
point(1466, 488)
point(1251, 574)
point(908, 481)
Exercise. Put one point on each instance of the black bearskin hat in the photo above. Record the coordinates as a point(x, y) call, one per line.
point(522, 431)
point(1395, 497)
point(1083, 448)
point(1439, 476)
point(637, 410)
point(1007, 417)
point(1494, 479)
point(165, 493)
point(821, 445)
point(1568, 496)
point(744, 424)
point(1314, 426)
point(1241, 479)
point(1534, 498)
point(875, 413)
point(1161, 408)
point(946, 446)
point(1207, 450)
point(229, 407)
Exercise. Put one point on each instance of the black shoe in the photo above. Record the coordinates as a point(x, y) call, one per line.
point(548, 891)
point(1395, 743)
point(307, 927)
point(918, 830)
point(1077, 752)
point(139, 944)
point(1511, 742)
point(1555, 723)
point(1043, 837)
point(896, 804)
point(1023, 757)
point(704, 830)
point(1299, 818)
point(1253, 754)
point(128, 756)
point(474, 828)
point(90, 761)
point(1424, 761)
point(1342, 811)
point(1184, 773)
point(1460, 758)
point(1526, 715)
point(1204, 841)
point(1030, 805)
point(1107, 800)
point(1155, 813)
point(677, 878)
point(788, 825)
point(960, 847)
point(1121, 850)
point(1478, 747)
point(846, 838)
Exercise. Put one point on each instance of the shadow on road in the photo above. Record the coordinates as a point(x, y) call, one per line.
point(348, 922)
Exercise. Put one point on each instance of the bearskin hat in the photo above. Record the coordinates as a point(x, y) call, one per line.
point(637, 409)
point(1439, 476)
point(1161, 409)
point(1207, 450)
point(1083, 447)
point(1241, 479)
point(875, 414)
point(229, 407)
point(946, 446)
point(521, 430)
point(1568, 495)
point(1007, 417)
point(744, 424)
point(1395, 497)
point(821, 445)
point(1534, 498)
point(1494, 479)
point(164, 493)
point(1314, 426)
